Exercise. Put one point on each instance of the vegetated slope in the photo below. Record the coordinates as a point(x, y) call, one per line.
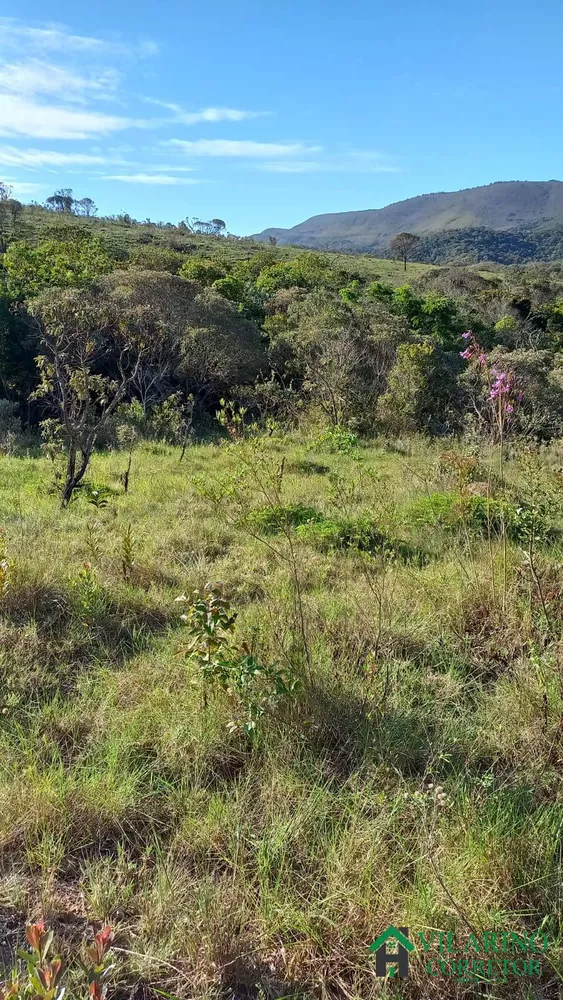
point(530, 209)
point(121, 238)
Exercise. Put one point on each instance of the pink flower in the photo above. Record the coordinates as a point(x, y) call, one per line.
point(467, 354)
point(467, 335)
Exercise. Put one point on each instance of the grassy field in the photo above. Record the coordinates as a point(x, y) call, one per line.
point(413, 778)
point(122, 238)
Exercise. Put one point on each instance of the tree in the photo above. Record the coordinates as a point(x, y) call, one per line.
point(19, 346)
point(219, 227)
point(92, 352)
point(10, 212)
point(5, 191)
point(422, 391)
point(61, 201)
point(403, 245)
point(85, 207)
point(220, 348)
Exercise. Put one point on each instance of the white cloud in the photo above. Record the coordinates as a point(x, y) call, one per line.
point(20, 188)
point(12, 157)
point(241, 148)
point(23, 116)
point(206, 114)
point(58, 38)
point(336, 166)
point(38, 77)
point(171, 169)
point(167, 179)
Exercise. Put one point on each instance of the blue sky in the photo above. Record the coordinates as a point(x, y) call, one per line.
point(266, 112)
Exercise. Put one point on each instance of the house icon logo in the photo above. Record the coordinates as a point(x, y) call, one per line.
point(399, 958)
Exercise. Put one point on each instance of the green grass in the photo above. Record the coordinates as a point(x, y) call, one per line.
point(229, 864)
point(122, 238)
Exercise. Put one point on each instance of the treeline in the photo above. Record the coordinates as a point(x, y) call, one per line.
point(541, 242)
point(95, 346)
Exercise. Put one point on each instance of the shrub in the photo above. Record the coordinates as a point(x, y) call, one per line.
point(10, 426)
point(361, 534)
point(422, 393)
point(202, 270)
point(53, 263)
point(255, 688)
point(272, 520)
point(482, 514)
point(338, 440)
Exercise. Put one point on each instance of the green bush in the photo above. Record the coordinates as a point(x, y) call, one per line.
point(272, 520)
point(481, 514)
point(202, 270)
point(361, 534)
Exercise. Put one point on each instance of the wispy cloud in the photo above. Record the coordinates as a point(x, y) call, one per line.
point(38, 77)
point(21, 188)
point(40, 90)
point(209, 115)
point(12, 157)
point(58, 38)
point(166, 179)
point(318, 167)
point(241, 148)
point(20, 116)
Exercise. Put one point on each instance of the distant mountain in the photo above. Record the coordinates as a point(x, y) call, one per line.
point(451, 224)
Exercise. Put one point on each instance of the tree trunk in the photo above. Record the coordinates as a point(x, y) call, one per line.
point(73, 478)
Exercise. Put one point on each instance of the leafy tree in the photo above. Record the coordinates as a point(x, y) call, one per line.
point(202, 270)
point(19, 346)
point(340, 354)
point(421, 391)
point(85, 207)
point(5, 190)
point(53, 263)
point(402, 246)
point(220, 348)
point(92, 352)
point(10, 213)
point(61, 201)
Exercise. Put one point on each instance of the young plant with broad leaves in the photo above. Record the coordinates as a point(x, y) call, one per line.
point(255, 688)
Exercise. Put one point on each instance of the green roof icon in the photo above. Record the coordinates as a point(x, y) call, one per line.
point(392, 932)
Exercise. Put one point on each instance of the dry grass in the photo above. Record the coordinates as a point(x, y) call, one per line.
point(266, 867)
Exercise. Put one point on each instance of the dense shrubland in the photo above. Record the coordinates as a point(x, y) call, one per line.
point(280, 612)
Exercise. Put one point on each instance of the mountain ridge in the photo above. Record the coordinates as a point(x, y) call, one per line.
point(497, 207)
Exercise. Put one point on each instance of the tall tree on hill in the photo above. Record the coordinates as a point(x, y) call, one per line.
point(5, 191)
point(86, 206)
point(61, 200)
point(402, 246)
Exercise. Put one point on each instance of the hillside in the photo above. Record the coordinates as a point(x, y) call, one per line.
point(531, 210)
point(122, 238)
